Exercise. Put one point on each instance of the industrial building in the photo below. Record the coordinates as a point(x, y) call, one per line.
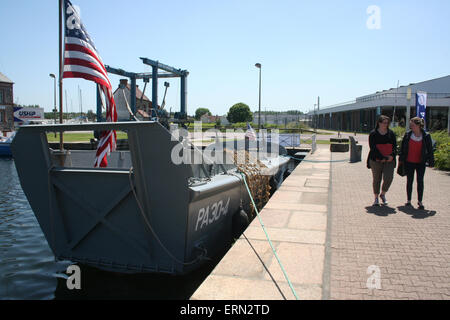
point(277, 118)
point(361, 114)
point(122, 97)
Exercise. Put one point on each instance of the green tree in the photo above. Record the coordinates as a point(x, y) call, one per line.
point(200, 112)
point(240, 112)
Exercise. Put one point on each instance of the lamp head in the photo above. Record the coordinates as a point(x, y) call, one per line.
point(258, 65)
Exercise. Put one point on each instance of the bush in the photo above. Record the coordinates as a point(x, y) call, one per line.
point(440, 137)
point(399, 133)
point(442, 157)
point(442, 153)
point(243, 125)
point(298, 125)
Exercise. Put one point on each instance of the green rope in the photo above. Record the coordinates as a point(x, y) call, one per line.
point(315, 161)
point(267, 236)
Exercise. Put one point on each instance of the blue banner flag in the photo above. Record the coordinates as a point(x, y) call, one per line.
point(421, 105)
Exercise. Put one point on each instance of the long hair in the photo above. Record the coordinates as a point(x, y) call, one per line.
point(381, 119)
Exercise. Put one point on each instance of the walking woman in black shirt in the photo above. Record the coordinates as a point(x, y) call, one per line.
point(383, 146)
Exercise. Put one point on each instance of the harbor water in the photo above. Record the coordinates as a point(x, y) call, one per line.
point(28, 269)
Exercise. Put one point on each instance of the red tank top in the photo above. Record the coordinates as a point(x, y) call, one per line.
point(385, 149)
point(415, 151)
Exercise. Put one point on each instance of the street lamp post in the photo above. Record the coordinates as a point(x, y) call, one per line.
point(408, 108)
point(54, 108)
point(393, 114)
point(258, 65)
point(315, 119)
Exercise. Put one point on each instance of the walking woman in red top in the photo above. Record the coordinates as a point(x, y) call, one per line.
point(416, 152)
point(383, 146)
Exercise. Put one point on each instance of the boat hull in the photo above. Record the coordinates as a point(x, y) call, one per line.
point(144, 213)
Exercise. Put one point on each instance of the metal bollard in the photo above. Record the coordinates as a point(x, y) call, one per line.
point(355, 151)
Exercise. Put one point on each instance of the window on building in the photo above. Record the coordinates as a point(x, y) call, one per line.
point(437, 118)
point(7, 96)
point(1, 96)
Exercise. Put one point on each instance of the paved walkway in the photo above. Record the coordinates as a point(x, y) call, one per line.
point(411, 248)
point(296, 219)
point(330, 239)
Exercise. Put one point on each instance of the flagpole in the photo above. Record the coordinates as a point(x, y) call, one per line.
point(61, 66)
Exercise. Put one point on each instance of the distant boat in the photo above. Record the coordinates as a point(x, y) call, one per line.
point(5, 149)
point(5, 146)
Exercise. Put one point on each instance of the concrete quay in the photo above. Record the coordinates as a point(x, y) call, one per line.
point(295, 219)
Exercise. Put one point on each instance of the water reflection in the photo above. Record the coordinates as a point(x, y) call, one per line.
point(28, 269)
point(98, 284)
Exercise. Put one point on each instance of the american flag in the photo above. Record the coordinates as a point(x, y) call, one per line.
point(81, 60)
point(250, 133)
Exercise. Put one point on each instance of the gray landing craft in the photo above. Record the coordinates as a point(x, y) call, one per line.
point(143, 213)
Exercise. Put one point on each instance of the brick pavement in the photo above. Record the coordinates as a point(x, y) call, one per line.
point(410, 247)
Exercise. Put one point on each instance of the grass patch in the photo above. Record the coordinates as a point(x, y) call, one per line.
point(317, 141)
point(79, 136)
point(325, 133)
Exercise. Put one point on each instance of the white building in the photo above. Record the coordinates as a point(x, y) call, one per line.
point(361, 113)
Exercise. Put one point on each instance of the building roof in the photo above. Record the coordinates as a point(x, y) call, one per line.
point(438, 94)
point(4, 78)
point(138, 92)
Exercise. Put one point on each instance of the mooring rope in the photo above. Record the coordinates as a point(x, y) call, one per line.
point(264, 265)
point(203, 255)
point(315, 161)
point(268, 239)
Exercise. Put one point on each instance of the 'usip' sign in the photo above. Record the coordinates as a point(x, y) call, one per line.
point(28, 114)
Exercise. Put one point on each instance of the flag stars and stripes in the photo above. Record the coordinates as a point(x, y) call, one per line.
point(250, 133)
point(81, 60)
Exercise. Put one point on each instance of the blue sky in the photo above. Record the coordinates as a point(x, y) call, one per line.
point(306, 48)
